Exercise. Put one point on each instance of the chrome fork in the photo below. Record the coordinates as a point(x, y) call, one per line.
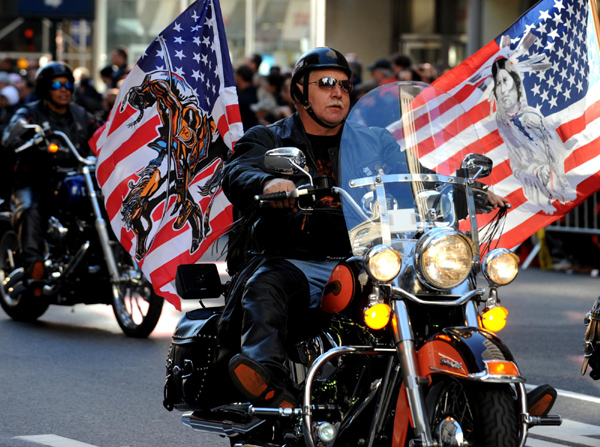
point(413, 381)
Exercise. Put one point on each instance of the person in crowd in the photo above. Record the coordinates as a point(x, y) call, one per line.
point(268, 99)
point(36, 170)
point(106, 76)
point(382, 72)
point(108, 101)
point(362, 89)
point(357, 69)
point(9, 99)
point(247, 95)
point(287, 106)
point(428, 72)
point(253, 61)
point(86, 94)
point(400, 63)
point(8, 65)
point(403, 68)
point(4, 79)
point(33, 65)
point(24, 88)
point(289, 256)
point(119, 59)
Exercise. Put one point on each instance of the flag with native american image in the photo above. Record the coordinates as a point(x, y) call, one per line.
point(162, 149)
point(533, 95)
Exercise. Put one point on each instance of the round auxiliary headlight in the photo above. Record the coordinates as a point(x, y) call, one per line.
point(383, 263)
point(444, 258)
point(500, 266)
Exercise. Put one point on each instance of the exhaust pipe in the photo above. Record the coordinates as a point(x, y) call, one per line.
point(13, 284)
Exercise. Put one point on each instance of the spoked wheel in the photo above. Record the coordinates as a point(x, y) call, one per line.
point(134, 302)
point(473, 414)
point(19, 303)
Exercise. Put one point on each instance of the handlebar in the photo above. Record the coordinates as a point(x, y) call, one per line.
point(283, 195)
point(40, 137)
point(67, 141)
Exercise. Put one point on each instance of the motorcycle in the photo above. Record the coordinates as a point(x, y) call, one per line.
point(84, 262)
point(591, 342)
point(408, 354)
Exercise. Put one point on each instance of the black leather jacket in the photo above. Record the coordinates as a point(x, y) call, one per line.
point(276, 232)
point(33, 166)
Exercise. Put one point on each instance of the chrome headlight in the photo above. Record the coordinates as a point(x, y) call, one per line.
point(383, 263)
point(444, 258)
point(500, 266)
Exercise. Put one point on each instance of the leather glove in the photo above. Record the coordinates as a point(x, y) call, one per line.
point(591, 342)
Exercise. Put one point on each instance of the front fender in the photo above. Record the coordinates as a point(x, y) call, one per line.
point(470, 353)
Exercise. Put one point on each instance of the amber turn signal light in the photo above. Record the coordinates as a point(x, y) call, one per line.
point(494, 319)
point(53, 148)
point(378, 316)
point(501, 368)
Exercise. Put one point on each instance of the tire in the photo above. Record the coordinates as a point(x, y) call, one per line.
point(23, 306)
point(486, 413)
point(136, 306)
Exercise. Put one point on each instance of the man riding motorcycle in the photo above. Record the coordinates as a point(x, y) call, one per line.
point(35, 171)
point(289, 256)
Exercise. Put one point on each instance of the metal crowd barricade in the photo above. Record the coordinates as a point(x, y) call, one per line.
point(583, 219)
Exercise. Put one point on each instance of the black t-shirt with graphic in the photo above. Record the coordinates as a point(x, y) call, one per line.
point(325, 227)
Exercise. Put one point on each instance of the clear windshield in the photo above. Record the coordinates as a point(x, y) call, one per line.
point(401, 155)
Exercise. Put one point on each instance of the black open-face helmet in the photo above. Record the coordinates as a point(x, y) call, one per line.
point(319, 58)
point(47, 73)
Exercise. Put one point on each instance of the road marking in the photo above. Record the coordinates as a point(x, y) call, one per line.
point(54, 441)
point(531, 442)
point(584, 397)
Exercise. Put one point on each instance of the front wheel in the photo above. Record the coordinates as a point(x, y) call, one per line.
point(18, 302)
point(481, 414)
point(136, 306)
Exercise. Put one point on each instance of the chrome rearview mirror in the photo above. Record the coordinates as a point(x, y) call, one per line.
point(286, 160)
point(477, 166)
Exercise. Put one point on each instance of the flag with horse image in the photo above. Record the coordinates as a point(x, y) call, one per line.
point(162, 149)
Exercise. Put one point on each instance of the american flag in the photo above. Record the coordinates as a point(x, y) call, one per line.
point(161, 152)
point(546, 152)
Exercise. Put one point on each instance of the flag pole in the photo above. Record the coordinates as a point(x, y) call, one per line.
point(596, 21)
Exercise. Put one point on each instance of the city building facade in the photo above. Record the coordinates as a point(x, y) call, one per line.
point(441, 32)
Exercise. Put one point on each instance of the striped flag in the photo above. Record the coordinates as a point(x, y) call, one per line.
point(161, 152)
point(533, 95)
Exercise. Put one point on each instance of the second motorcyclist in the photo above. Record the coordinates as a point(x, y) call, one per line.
point(35, 170)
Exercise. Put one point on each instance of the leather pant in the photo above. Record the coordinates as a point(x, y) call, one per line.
point(28, 218)
point(275, 306)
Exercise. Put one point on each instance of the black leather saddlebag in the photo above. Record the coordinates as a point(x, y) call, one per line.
point(197, 377)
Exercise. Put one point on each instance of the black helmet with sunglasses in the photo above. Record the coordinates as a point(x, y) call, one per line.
point(316, 59)
point(49, 72)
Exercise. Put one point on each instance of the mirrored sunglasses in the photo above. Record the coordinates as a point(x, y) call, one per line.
point(330, 83)
point(56, 85)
